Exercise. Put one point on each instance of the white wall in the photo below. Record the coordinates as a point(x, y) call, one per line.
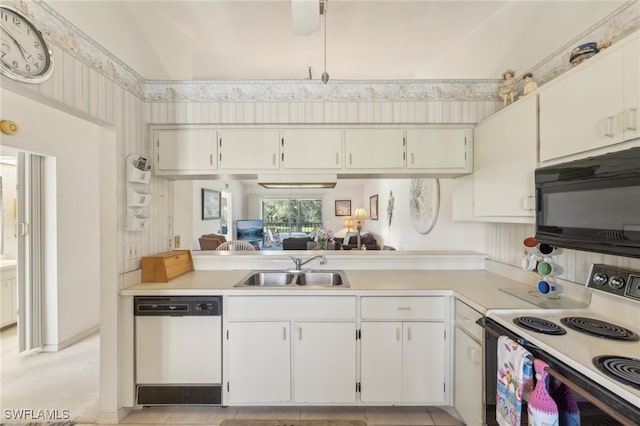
point(446, 234)
point(187, 208)
point(71, 146)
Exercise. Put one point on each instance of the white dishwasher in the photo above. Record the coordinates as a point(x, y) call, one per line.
point(178, 350)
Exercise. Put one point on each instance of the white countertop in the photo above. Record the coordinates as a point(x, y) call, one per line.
point(478, 288)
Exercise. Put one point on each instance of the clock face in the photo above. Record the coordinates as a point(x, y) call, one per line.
point(24, 53)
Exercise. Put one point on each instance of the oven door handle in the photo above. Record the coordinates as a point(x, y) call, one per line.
point(586, 395)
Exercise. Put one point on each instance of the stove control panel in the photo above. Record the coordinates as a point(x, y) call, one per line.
point(615, 280)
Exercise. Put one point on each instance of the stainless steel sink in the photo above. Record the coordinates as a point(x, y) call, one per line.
point(295, 279)
point(267, 279)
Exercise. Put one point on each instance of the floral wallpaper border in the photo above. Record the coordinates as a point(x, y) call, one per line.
point(69, 38)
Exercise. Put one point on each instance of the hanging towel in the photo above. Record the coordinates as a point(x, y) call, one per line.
point(542, 410)
point(568, 411)
point(514, 376)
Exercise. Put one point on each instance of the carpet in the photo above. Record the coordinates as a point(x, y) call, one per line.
point(293, 423)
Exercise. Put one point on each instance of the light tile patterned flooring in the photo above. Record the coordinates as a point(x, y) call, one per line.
point(173, 416)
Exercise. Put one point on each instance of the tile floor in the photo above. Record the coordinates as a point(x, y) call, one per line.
point(173, 416)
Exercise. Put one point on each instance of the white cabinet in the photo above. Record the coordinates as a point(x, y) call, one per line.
point(8, 297)
point(259, 362)
point(249, 149)
point(375, 149)
point(324, 362)
point(188, 151)
point(505, 158)
point(443, 149)
point(468, 386)
point(274, 342)
point(588, 107)
point(306, 149)
point(403, 361)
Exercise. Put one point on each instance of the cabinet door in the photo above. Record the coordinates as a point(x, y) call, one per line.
point(325, 362)
point(505, 148)
point(311, 149)
point(381, 362)
point(186, 150)
point(249, 149)
point(423, 362)
point(437, 148)
point(467, 387)
point(579, 112)
point(8, 301)
point(259, 362)
point(631, 118)
point(374, 149)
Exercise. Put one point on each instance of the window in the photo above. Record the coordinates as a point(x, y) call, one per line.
point(301, 215)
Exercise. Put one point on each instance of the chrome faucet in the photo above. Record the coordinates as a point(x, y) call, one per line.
point(299, 262)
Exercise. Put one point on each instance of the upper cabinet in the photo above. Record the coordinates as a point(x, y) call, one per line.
point(375, 148)
point(311, 149)
point(505, 160)
point(249, 149)
point(592, 106)
point(410, 150)
point(439, 148)
point(185, 150)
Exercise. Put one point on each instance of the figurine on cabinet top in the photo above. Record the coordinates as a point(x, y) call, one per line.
point(529, 84)
point(508, 87)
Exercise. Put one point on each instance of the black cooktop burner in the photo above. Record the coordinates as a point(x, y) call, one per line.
point(623, 369)
point(540, 325)
point(599, 328)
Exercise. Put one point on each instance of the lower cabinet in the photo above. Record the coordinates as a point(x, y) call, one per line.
point(402, 362)
point(468, 367)
point(310, 357)
point(8, 297)
point(403, 350)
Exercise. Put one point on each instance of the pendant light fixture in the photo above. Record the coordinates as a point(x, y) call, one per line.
point(325, 74)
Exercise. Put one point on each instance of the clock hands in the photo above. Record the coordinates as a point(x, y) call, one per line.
point(23, 52)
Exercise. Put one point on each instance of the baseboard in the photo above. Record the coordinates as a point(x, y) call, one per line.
point(72, 340)
point(112, 418)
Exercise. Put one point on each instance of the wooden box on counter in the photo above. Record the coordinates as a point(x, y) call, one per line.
point(163, 267)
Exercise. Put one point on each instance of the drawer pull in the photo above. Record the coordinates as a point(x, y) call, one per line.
point(404, 308)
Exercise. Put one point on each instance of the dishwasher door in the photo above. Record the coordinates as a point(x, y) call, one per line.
point(178, 351)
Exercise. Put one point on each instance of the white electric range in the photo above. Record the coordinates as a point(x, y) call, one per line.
point(577, 338)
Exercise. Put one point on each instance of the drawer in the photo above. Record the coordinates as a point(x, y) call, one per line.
point(466, 318)
point(402, 308)
point(244, 308)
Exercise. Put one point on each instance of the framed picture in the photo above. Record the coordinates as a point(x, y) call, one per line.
point(373, 207)
point(343, 207)
point(210, 204)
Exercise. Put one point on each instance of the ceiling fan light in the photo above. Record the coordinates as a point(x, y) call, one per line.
point(306, 16)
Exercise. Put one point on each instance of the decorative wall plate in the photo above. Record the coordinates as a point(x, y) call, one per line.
point(424, 204)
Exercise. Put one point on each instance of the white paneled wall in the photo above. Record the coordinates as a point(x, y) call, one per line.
point(504, 244)
point(423, 112)
point(85, 92)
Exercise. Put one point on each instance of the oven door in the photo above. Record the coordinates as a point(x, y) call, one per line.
point(598, 405)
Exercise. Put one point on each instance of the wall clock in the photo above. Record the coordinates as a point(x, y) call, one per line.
point(25, 55)
point(424, 204)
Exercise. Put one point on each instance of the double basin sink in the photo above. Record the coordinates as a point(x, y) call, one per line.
point(300, 279)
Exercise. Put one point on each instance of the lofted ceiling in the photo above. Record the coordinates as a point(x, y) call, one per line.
point(366, 39)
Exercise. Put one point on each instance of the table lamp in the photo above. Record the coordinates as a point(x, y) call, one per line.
point(360, 214)
point(348, 223)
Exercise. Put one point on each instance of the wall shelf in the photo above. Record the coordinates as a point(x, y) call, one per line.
point(138, 195)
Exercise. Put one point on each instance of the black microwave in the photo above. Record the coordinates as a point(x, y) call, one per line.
point(591, 204)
